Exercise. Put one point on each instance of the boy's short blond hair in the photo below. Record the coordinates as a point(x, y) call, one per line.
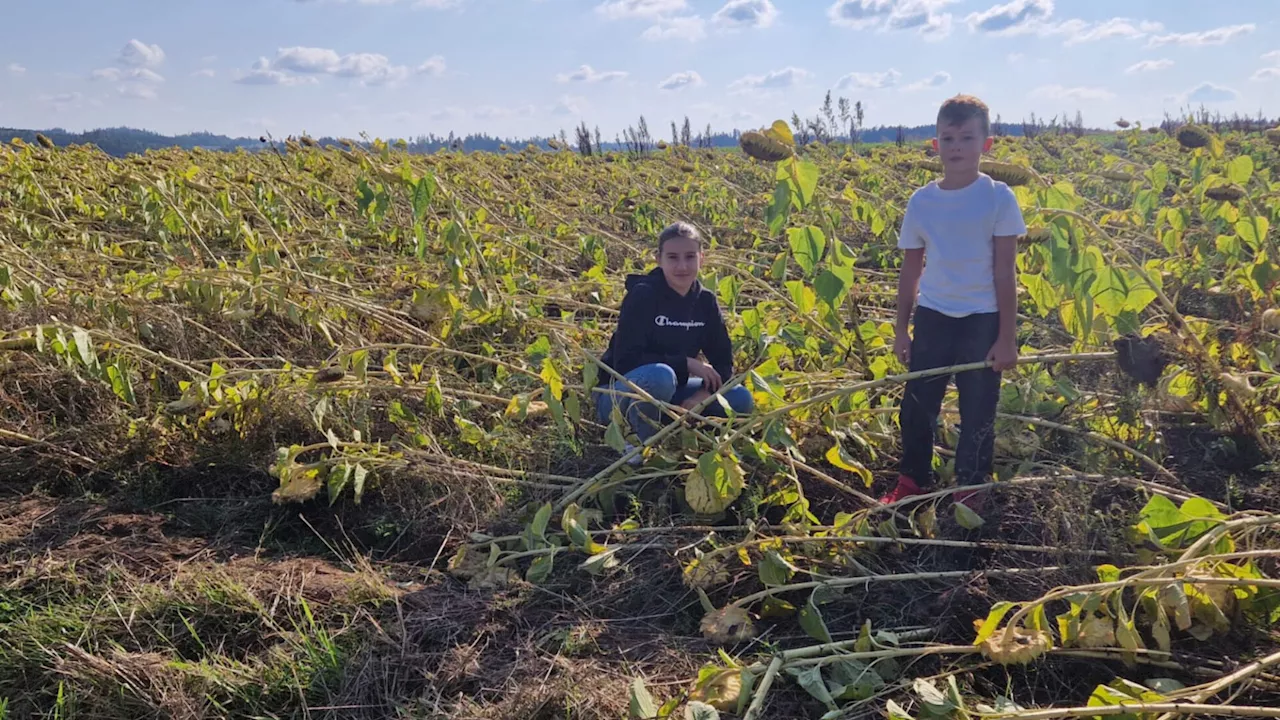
point(959, 109)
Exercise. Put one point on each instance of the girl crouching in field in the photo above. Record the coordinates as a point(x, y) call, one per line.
point(667, 319)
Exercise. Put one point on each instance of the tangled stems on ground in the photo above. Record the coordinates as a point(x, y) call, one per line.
point(414, 340)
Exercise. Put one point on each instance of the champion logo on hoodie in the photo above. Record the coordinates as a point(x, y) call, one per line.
point(664, 321)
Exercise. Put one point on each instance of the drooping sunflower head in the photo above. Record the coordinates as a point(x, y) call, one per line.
point(762, 147)
point(1193, 136)
point(1007, 173)
point(1225, 193)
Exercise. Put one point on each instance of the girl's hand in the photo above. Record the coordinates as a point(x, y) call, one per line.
point(692, 401)
point(711, 379)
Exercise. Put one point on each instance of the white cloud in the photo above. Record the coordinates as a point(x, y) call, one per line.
point(746, 14)
point(1273, 56)
point(433, 66)
point(619, 9)
point(137, 83)
point(206, 73)
point(1210, 93)
point(1113, 28)
point(262, 74)
point(1079, 93)
point(1013, 18)
point(1025, 17)
point(366, 68)
point(775, 80)
point(306, 60)
point(136, 53)
point(859, 14)
point(588, 74)
point(144, 75)
point(1265, 74)
point(137, 92)
point(924, 16)
point(1149, 66)
point(690, 29)
point(681, 80)
point(61, 99)
point(869, 81)
point(1216, 36)
point(15, 69)
point(938, 79)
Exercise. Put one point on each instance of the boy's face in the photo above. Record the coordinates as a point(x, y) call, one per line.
point(680, 260)
point(960, 147)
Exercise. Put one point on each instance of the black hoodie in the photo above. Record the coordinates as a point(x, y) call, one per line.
point(658, 325)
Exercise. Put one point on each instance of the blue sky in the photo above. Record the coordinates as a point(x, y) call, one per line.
point(522, 67)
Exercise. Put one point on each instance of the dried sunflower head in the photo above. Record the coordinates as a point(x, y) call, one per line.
point(1007, 173)
point(762, 147)
point(721, 691)
point(328, 375)
point(1225, 193)
point(1097, 632)
point(728, 625)
point(1192, 136)
point(467, 562)
point(1271, 320)
point(1016, 646)
point(493, 578)
point(1223, 596)
point(706, 572)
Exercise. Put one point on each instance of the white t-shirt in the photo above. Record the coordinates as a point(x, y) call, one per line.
point(955, 228)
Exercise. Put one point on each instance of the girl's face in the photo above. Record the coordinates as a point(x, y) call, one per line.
point(680, 260)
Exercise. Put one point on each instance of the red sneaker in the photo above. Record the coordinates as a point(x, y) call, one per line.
point(906, 488)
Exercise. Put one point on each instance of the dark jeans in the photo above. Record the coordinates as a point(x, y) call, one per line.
point(941, 341)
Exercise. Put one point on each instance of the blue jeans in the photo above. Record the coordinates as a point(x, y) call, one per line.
point(659, 380)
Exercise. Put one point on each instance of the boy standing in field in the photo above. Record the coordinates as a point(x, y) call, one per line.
point(964, 301)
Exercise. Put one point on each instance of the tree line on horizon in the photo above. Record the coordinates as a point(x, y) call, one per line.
point(836, 121)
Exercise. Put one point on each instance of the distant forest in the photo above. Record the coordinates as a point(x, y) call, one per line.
point(840, 120)
point(121, 141)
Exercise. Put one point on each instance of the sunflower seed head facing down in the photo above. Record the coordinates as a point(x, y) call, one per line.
point(761, 147)
point(1193, 136)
